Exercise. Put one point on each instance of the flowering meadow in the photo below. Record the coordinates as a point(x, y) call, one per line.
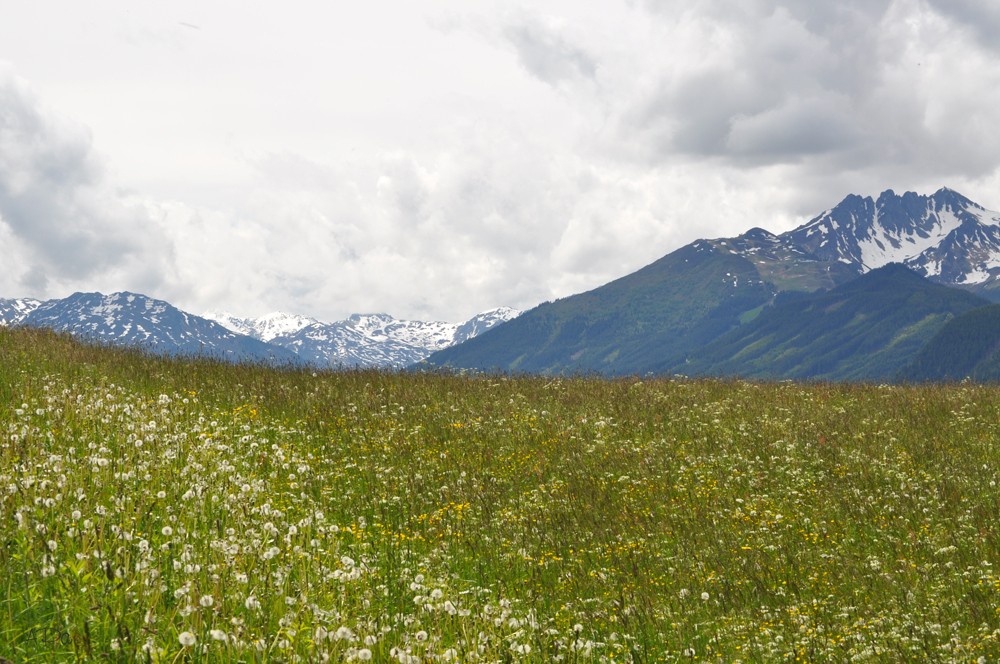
point(186, 510)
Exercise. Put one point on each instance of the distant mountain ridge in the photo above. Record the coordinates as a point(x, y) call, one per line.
point(133, 319)
point(705, 289)
point(361, 340)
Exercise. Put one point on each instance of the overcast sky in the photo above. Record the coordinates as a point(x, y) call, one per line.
point(433, 159)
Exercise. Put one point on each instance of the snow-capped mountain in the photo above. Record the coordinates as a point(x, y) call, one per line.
point(265, 328)
point(13, 312)
point(893, 229)
point(362, 339)
point(945, 237)
point(132, 319)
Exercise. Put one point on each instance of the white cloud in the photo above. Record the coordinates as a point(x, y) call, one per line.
point(373, 159)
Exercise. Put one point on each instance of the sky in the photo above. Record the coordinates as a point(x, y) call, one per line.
point(434, 159)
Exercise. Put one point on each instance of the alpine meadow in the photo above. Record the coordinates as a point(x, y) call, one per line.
point(170, 509)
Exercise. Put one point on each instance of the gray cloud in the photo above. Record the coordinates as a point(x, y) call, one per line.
point(56, 202)
point(858, 86)
point(981, 16)
point(546, 53)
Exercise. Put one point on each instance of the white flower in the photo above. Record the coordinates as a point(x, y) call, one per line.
point(187, 639)
point(252, 603)
point(437, 594)
point(344, 634)
point(206, 601)
point(684, 593)
point(52, 545)
point(320, 633)
point(347, 562)
point(421, 635)
point(76, 515)
point(161, 494)
point(370, 640)
point(704, 596)
point(364, 654)
point(219, 635)
point(167, 531)
point(450, 653)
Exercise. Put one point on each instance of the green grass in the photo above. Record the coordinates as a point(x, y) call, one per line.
point(422, 517)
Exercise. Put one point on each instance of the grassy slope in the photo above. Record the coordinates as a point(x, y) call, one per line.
point(668, 307)
point(867, 328)
point(569, 518)
point(966, 346)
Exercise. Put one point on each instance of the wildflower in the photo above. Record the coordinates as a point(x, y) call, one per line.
point(421, 635)
point(187, 639)
point(704, 596)
point(167, 531)
point(684, 593)
point(321, 633)
point(450, 653)
point(206, 601)
point(364, 654)
point(252, 603)
point(52, 545)
point(76, 515)
point(437, 594)
point(344, 634)
point(219, 635)
point(161, 494)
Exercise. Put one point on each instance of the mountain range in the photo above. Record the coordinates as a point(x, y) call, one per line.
point(871, 288)
point(668, 310)
point(362, 339)
point(133, 319)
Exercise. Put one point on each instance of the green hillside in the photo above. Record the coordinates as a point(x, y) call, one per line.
point(968, 346)
point(868, 328)
point(673, 305)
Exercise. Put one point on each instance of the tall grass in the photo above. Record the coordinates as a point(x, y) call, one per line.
point(177, 510)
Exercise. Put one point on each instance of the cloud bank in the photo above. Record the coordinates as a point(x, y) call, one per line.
point(520, 154)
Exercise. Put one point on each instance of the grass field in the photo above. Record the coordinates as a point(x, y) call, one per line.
point(164, 510)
